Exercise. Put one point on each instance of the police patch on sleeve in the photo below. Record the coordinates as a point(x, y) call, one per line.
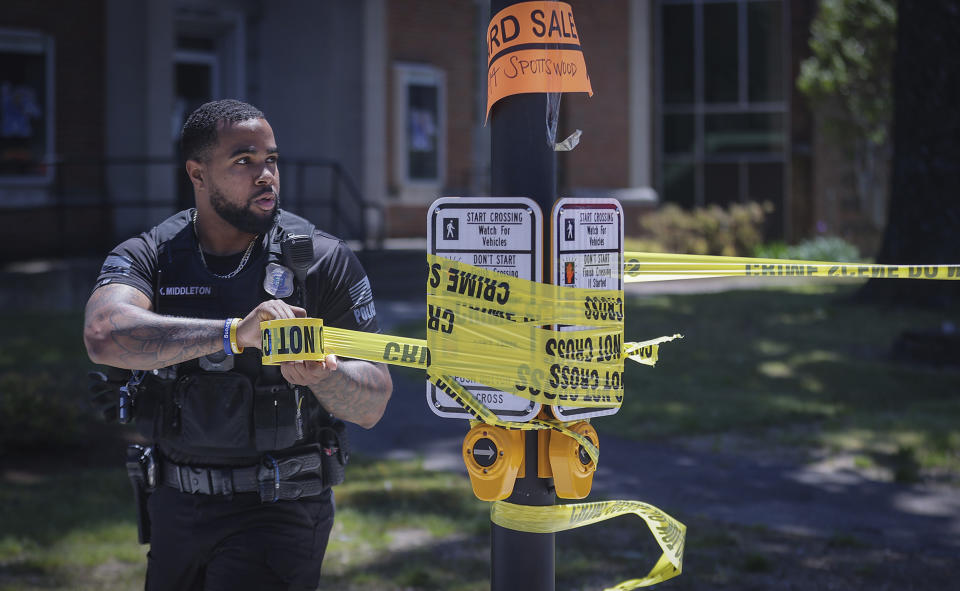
point(278, 281)
point(116, 263)
point(362, 296)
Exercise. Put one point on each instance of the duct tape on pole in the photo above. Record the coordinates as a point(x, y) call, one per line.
point(587, 248)
point(503, 234)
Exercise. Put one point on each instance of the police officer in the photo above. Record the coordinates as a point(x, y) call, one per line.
point(243, 455)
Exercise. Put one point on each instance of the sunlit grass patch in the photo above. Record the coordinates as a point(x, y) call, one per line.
point(388, 508)
point(70, 530)
point(776, 359)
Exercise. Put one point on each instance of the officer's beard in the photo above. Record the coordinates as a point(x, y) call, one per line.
point(244, 218)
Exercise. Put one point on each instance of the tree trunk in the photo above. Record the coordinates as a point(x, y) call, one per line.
point(923, 224)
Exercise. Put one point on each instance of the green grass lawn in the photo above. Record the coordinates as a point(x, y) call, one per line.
point(801, 366)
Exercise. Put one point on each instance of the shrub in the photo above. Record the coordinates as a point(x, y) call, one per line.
point(822, 248)
point(32, 417)
point(734, 231)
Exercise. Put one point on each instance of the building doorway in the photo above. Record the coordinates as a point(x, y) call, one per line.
point(196, 76)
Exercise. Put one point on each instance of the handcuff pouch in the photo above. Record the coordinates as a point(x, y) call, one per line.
point(276, 417)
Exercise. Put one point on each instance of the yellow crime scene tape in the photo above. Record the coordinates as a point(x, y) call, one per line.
point(652, 266)
point(669, 533)
point(490, 328)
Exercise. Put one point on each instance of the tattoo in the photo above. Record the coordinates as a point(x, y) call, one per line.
point(357, 392)
point(161, 343)
point(134, 337)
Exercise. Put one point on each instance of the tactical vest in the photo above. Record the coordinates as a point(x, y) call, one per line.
point(223, 409)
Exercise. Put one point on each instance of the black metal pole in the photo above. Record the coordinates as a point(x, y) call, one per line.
point(523, 164)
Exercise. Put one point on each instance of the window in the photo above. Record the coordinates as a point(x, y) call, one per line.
point(419, 130)
point(722, 101)
point(26, 107)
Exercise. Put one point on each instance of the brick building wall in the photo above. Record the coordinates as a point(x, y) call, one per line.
point(441, 34)
point(78, 73)
point(602, 158)
point(78, 95)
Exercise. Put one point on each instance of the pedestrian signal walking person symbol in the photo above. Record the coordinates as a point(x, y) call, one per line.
point(568, 233)
point(451, 228)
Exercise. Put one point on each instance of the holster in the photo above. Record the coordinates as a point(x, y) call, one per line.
point(335, 445)
point(142, 471)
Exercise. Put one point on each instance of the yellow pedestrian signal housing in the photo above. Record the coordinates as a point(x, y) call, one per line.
point(493, 456)
point(571, 466)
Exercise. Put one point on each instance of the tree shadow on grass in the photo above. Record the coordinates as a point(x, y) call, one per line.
point(718, 555)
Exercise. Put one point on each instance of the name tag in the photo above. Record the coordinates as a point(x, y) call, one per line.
point(194, 291)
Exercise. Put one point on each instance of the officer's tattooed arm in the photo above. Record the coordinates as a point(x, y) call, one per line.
point(121, 330)
point(351, 389)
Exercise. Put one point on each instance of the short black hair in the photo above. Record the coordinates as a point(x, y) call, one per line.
point(199, 132)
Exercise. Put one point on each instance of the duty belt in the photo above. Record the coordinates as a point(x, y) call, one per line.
point(285, 478)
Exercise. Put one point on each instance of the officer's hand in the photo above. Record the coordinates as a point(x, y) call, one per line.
point(248, 331)
point(309, 373)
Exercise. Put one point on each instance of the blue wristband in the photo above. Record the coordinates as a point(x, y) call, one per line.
point(226, 337)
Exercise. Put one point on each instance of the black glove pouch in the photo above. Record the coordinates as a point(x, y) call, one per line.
point(216, 410)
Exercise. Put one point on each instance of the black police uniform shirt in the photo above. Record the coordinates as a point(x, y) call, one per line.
point(337, 290)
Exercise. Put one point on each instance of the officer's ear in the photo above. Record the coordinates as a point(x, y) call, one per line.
point(195, 172)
